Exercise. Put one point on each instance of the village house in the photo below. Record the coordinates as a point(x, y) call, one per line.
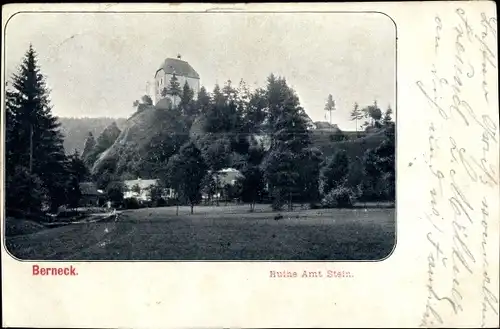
point(325, 125)
point(91, 196)
point(140, 189)
point(229, 176)
point(225, 177)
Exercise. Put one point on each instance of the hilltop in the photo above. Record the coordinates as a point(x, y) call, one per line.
point(355, 144)
point(147, 138)
point(154, 134)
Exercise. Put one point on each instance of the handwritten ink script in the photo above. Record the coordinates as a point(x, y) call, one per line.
point(462, 158)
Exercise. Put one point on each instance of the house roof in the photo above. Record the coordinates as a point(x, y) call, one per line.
point(179, 67)
point(142, 183)
point(227, 175)
point(323, 124)
point(89, 188)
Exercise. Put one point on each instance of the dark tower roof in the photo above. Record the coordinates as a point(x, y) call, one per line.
point(179, 67)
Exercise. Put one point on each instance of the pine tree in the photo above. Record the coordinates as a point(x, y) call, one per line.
point(242, 99)
point(220, 116)
point(174, 88)
point(387, 116)
point(187, 104)
point(203, 100)
point(12, 135)
point(243, 96)
point(217, 95)
point(289, 139)
point(89, 146)
point(330, 106)
point(164, 92)
point(287, 118)
point(34, 140)
point(356, 115)
point(78, 173)
point(229, 92)
point(76, 167)
point(256, 111)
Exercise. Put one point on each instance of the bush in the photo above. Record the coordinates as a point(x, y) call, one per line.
point(278, 200)
point(337, 137)
point(114, 192)
point(24, 191)
point(333, 173)
point(340, 197)
point(160, 202)
point(314, 205)
point(131, 203)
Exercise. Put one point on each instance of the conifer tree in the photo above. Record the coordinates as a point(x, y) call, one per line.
point(77, 173)
point(203, 100)
point(255, 113)
point(229, 92)
point(89, 146)
point(387, 116)
point(356, 114)
point(34, 140)
point(243, 97)
point(289, 139)
point(186, 104)
point(174, 89)
point(330, 106)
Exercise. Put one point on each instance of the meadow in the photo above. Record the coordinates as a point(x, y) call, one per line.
point(218, 233)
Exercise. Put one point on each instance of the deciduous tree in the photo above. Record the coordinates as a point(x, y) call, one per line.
point(186, 172)
point(252, 185)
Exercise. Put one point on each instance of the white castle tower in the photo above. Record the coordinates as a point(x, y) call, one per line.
point(183, 71)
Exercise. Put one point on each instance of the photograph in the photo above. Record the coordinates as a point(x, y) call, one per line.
point(199, 136)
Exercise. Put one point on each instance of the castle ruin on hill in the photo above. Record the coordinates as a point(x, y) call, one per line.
point(182, 70)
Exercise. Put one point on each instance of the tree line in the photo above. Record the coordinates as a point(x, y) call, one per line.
point(263, 133)
point(232, 121)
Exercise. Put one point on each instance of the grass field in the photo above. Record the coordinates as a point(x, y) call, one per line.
point(217, 233)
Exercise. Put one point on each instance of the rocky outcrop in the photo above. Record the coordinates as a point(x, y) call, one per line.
point(148, 138)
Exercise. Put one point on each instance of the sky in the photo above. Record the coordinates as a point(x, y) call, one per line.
point(98, 64)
